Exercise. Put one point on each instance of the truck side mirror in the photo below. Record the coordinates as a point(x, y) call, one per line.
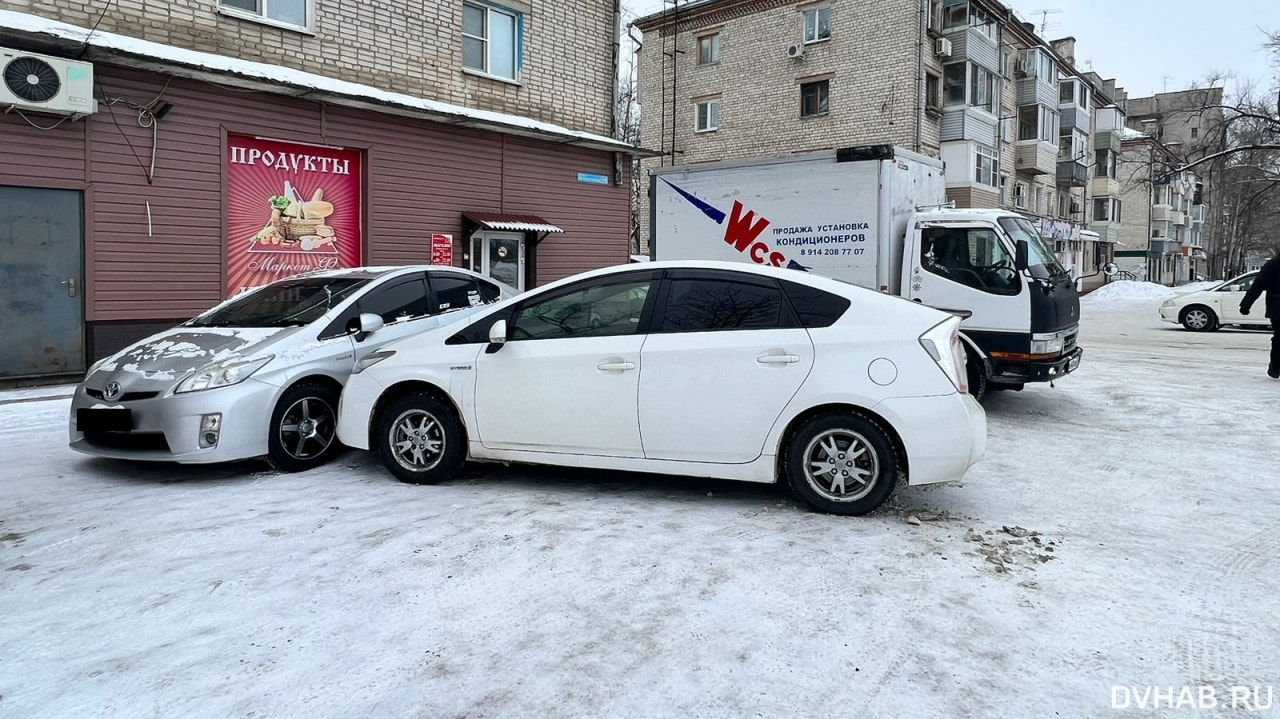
point(1022, 254)
point(1110, 269)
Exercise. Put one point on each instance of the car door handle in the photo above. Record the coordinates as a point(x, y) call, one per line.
point(777, 359)
point(616, 366)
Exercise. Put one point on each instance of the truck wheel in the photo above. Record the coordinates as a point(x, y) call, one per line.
point(842, 463)
point(1199, 318)
point(977, 377)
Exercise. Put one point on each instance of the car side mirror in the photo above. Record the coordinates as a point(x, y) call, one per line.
point(1110, 269)
point(364, 325)
point(1022, 254)
point(497, 336)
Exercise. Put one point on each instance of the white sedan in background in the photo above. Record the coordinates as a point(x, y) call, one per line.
point(1207, 310)
point(706, 369)
point(260, 374)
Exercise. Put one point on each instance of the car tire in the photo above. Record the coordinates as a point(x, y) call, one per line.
point(829, 439)
point(1199, 318)
point(304, 428)
point(421, 440)
point(977, 376)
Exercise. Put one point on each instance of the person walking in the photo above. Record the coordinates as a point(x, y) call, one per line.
point(1268, 281)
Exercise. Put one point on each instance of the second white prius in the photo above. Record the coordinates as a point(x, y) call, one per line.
point(706, 369)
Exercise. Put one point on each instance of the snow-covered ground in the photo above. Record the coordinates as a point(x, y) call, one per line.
point(1121, 532)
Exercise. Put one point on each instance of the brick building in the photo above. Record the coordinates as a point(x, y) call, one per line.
point(445, 130)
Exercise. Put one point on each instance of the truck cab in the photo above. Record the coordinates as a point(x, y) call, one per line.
point(1021, 307)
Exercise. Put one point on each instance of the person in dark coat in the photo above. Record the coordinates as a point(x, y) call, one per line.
point(1268, 281)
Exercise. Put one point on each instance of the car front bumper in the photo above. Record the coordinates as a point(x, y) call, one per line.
point(167, 428)
point(1170, 314)
point(944, 436)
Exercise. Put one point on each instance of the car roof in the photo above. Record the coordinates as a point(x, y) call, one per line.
point(374, 272)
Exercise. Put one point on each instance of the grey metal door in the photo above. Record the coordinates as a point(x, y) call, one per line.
point(41, 283)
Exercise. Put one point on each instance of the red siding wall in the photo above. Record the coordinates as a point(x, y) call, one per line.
point(419, 177)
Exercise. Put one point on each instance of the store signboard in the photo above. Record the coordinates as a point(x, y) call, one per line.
point(442, 250)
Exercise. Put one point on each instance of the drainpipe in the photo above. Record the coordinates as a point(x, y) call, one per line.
point(924, 23)
point(617, 52)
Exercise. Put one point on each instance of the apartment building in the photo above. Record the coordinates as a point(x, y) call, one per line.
point(962, 80)
point(1160, 233)
point(149, 144)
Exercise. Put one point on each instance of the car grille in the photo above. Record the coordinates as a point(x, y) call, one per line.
point(129, 441)
point(126, 397)
point(1069, 344)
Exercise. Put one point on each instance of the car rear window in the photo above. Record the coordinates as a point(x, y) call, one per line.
point(815, 307)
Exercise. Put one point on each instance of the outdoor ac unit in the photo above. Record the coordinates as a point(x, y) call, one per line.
point(40, 83)
point(942, 46)
point(795, 52)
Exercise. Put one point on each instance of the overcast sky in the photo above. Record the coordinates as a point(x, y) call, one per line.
point(1149, 45)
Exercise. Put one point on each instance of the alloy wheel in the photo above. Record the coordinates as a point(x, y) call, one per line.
point(417, 440)
point(307, 428)
point(841, 465)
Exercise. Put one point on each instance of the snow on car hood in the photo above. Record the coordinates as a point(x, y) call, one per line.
point(174, 353)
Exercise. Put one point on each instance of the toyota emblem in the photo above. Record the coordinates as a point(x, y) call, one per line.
point(111, 391)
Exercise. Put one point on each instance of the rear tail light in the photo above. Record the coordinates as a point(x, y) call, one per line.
point(952, 363)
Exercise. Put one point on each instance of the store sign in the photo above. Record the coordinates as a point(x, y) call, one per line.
point(591, 178)
point(291, 209)
point(442, 250)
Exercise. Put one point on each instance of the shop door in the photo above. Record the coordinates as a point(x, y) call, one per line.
point(499, 255)
point(41, 283)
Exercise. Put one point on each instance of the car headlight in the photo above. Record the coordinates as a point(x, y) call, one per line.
point(1047, 347)
point(1167, 303)
point(222, 374)
point(371, 359)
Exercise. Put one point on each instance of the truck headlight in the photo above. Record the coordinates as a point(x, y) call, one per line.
point(222, 374)
point(1047, 347)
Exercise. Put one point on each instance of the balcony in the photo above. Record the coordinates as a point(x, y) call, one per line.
point(969, 123)
point(1105, 139)
point(1072, 173)
point(1108, 119)
point(1105, 186)
point(1036, 158)
point(969, 44)
point(1199, 213)
point(1160, 213)
point(1033, 91)
point(1177, 218)
point(1074, 118)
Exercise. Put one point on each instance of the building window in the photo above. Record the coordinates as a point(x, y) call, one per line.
point(953, 83)
point(983, 89)
point(1037, 122)
point(1105, 162)
point(814, 98)
point(1006, 59)
point(708, 116)
point(932, 92)
point(1039, 200)
point(988, 166)
point(1067, 92)
point(935, 16)
point(961, 13)
point(1195, 132)
point(817, 24)
point(1064, 204)
point(1020, 196)
point(1004, 191)
point(287, 12)
point(491, 40)
point(709, 49)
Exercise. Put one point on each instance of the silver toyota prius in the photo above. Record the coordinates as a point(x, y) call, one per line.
point(260, 375)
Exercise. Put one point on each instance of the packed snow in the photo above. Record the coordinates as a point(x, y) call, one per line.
point(1121, 532)
point(1127, 290)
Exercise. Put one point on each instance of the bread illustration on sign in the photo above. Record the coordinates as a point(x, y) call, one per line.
point(296, 224)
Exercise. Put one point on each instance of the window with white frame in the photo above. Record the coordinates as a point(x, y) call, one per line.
point(1038, 122)
point(984, 89)
point(708, 114)
point(491, 40)
point(1039, 200)
point(1020, 195)
point(953, 88)
point(1105, 163)
point(817, 24)
point(709, 49)
point(285, 12)
point(987, 166)
point(1004, 191)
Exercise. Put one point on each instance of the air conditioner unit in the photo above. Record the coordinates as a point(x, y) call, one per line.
point(795, 52)
point(942, 46)
point(40, 83)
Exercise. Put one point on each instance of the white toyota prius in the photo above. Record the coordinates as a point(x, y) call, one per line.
point(705, 369)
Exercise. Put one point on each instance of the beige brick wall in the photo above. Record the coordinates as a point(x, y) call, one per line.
point(871, 58)
point(409, 46)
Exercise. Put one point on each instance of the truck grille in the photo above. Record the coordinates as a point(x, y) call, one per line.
point(1069, 343)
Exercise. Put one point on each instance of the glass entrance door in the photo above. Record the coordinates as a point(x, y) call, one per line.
point(499, 255)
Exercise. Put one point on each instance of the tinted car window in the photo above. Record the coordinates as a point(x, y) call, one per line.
point(707, 305)
point(815, 307)
point(594, 311)
point(396, 302)
point(455, 291)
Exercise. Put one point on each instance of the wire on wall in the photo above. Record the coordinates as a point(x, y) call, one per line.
point(38, 126)
point(148, 117)
point(85, 46)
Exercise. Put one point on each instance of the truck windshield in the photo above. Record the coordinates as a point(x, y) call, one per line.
point(1041, 262)
point(283, 304)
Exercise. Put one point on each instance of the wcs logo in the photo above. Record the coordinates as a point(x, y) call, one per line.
point(742, 232)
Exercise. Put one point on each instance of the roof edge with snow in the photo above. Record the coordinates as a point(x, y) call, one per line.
point(196, 65)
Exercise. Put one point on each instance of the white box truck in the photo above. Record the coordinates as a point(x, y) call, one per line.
point(876, 216)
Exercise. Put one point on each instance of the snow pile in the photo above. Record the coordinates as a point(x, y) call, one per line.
point(1124, 290)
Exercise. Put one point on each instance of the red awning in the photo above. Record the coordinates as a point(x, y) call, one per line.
point(511, 223)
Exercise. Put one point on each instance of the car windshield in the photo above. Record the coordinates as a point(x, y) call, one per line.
point(287, 303)
point(1041, 262)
